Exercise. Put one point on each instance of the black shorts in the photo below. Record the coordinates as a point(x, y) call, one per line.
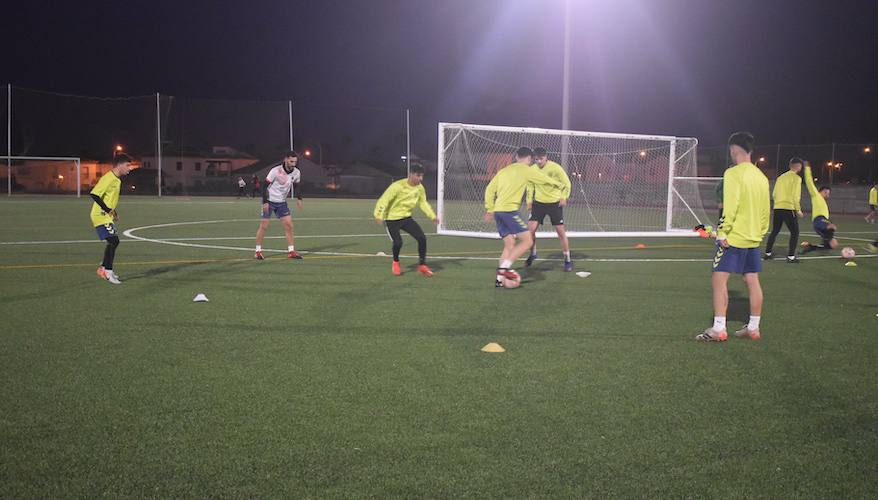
point(539, 211)
point(874, 208)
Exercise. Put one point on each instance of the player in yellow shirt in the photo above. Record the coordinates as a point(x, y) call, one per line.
point(548, 201)
point(105, 195)
point(873, 204)
point(819, 214)
point(502, 204)
point(787, 196)
point(746, 210)
point(394, 211)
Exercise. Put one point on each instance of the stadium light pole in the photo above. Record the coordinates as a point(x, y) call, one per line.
point(8, 139)
point(565, 90)
point(290, 108)
point(408, 144)
point(158, 141)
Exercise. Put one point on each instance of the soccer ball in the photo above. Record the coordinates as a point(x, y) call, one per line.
point(512, 282)
point(848, 253)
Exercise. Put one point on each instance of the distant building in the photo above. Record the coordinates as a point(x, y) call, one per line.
point(57, 176)
point(191, 170)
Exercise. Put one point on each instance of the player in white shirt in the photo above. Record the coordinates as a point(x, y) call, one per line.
point(280, 182)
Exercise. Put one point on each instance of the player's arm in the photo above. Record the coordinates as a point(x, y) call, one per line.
point(764, 214)
point(297, 191)
point(731, 197)
point(491, 195)
point(809, 181)
point(97, 194)
point(797, 195)
point(565, 191)
point(384, 202)
point(425, 205)
point(529, 192)
point(542, 179)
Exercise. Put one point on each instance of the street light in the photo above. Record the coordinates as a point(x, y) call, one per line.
point(867, 150)
point(761, 159)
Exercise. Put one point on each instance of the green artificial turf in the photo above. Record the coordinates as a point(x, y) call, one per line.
point(329, 377)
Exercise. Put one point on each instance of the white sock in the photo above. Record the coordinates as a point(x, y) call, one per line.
point(533, 249)
point(506, 264)
point(719, 323)
point(567, 256)
point(258, 248)
point(753, 325)
point(291, 248)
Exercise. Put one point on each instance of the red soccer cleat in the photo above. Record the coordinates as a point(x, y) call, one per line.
point(294, 255)
point(259, 256)
point(395, 268)
point(423, 269)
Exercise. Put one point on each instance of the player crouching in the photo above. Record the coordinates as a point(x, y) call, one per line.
point(394, 211)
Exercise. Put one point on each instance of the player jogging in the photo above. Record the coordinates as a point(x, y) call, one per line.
point(746, 210)
point(394, 211)
point(819, 214)
point(281, 182)
point(104, 215)
point(873, 204)
point(546, 200)
point(502, 203)
point(787, 196)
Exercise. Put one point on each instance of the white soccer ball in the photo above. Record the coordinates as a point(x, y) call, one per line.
point(512, 282)
point(848, 253)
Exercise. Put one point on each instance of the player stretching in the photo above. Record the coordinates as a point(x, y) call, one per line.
point(502, 203)
point(873, 204)
point(546, 200)
point(746, 209)
point(819, 214)
point(281, 181)
point(394, 211)
point(103, 212)
point(787, 209)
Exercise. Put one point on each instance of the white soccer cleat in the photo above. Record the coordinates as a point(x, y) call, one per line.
point(746, 333)
point(111, 277)
point(711, 335)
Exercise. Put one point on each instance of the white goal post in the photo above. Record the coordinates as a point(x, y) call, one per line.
point(622, 184)
point(37, 167)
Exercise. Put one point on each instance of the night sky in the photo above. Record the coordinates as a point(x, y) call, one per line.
point(789, 71)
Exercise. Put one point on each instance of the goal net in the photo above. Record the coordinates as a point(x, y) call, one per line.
point(622, 184)
point(45, 174)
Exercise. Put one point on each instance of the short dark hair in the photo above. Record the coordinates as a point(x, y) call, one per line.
point(827, 188)
point(291, 154)
point(523, 152)
point(744, 140)
point(796, 159)
point(539, 152)
point(416, 168)
point(120, 158)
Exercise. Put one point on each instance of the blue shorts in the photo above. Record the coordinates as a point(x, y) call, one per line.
point(106, 230)
point(280, 210)
point(737, 260)
point(821, 227)
point(509, 223)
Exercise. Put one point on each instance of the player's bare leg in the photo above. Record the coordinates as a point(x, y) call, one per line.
point(503, 270)
point(565, 246)
point(260, 235)
point(754, 289)
point(288, 230)
point(720, 284)
point(532, 227)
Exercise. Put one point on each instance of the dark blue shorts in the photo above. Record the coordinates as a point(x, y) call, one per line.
point(509, 223)
point(278, 209)
point(821, 227)
point(106, 230)
point(737, 260)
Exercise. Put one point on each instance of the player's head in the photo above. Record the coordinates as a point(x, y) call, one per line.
point(524, 155)
point(796, 164)
point(825, 191)
point(291, 159)
point(741, 146)
point(416, 174)
point(122, 164)
point(541, 156)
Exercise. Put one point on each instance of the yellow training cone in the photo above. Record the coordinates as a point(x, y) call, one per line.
point(851, 264)
point(493, 347)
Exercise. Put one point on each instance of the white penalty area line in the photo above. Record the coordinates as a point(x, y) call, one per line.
point(130, 234)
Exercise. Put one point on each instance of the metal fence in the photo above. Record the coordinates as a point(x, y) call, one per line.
point(196, 146)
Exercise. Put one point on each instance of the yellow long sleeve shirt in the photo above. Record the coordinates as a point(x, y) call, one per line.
point(545, 193)
point(787, 192)
point(399, 200)
point(873, 196)
point(107, 189)
point(746, 206)
point(506, 189)
point(818, 202)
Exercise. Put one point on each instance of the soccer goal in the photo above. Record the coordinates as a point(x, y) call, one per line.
point(44, 174)
point(623, 184)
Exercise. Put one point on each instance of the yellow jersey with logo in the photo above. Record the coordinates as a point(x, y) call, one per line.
point(107, 189)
